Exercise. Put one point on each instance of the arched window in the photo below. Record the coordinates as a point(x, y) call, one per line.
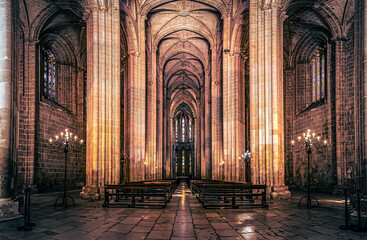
point(183, 162)
point(183, 129)
point(190, 137)
point(318, 75)
point(49, 75)
point(176, 137)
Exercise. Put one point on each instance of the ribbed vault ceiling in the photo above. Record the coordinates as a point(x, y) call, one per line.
point(184, 32)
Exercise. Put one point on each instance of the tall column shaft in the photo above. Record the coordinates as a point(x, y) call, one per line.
point(151, 149)
point(232, 126)
point(137, 107)
point(103, 118)
point(364, 34)
point(160, 126)
point(5, 96)
point(266, 97)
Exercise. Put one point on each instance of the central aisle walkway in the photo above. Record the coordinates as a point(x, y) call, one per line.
point(184, 218)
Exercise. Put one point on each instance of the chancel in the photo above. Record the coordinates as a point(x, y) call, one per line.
point(188, 114)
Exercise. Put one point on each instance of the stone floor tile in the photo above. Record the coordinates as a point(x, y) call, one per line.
point(122, 228)
point(140, 229)
point(111, 236)
point(134, 236)
point(156, 234)
point(184, 218)
point(226, 233)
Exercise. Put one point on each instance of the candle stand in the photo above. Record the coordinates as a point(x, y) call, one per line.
point(66, 141)
point(309, 142)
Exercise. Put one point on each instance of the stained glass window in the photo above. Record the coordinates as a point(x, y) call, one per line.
point(183, 129)
point(190, 137)
point(318, 76)
point(176, 137)
point(49, 75)
point(183, 161)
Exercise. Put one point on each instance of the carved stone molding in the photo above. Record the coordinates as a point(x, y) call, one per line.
point(268, 5)
point(183, 13)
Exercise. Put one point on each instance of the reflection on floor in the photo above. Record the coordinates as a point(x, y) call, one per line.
point(184, 218)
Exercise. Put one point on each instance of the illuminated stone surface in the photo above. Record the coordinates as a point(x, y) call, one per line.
point(184, 218)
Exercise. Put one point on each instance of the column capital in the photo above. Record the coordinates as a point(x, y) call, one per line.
point(268, 5)
point(31, 41)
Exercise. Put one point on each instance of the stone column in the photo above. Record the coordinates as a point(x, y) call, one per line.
point(208, 126)
point(151, 149)
point(160, 125)
point(217, 138)
point(363, 166)
point(340, 110)
point(232, 131)
point(103, 117)
point(7, 206)
point(266, 97)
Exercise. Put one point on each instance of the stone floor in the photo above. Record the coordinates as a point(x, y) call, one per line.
point(184, 218)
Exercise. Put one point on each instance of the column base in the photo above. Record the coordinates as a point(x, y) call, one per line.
point(90, 193)
point(9, 215)
point(280, 193)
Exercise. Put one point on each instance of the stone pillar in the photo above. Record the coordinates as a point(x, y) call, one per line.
point(8, 208)
point(232, 132)
point(151, 149)
point(208, 121)
point(266, 97)
point(103, 117)
point(340, 110)
point(363, 166)
point(217, 138)
point(137, 114)
point(202, 134)
point(160, 125)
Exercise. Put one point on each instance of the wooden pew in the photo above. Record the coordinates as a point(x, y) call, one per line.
point(152, 194)
point(146, 193)
point(233, 195)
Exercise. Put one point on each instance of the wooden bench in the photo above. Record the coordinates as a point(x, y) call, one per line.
point(152, 194)
point(233, 195)
point(195, 185)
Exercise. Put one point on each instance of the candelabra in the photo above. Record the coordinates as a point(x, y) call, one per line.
point(245, 160)
point(308, 142)
point(66, 141)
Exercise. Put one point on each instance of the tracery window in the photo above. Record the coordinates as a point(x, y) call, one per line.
point(49, 75)
point(318, 75)
point(190, 137)
point(183, 161)
point(183, 129)
point(176, 135)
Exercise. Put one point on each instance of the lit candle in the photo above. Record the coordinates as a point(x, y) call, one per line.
point(66, 130)
point(71, 134)
point(313, 135)
point(299, 139)
point(309, 130)
point(61, 134)
point(81, 141)
point(75, 137)
point(57, 137)
point(50, 140)
point(325, 142)
point(292, 142)
point(318, 138)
